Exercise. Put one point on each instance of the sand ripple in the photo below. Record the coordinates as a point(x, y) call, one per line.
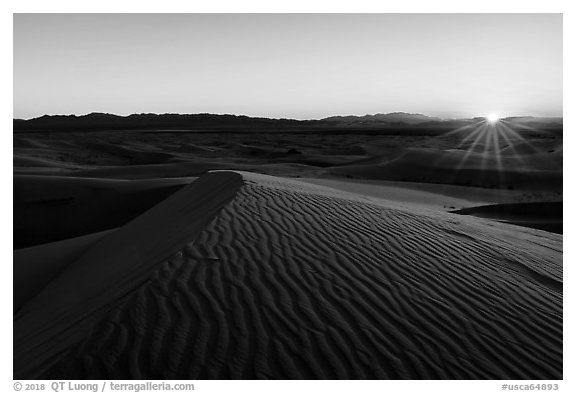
point(293, 281)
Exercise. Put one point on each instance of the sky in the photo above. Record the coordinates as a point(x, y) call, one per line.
point(302, 66)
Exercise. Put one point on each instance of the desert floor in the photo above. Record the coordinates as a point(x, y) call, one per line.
point(194, 255)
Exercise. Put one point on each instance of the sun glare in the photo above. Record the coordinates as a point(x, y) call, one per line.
point(492, 118)
point(493, 141)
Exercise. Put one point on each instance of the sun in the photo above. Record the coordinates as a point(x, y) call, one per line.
point(492, 118)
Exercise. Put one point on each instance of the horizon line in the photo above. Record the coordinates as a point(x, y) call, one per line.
point(280, 118)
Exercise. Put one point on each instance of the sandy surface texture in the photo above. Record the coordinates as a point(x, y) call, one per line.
point(110, 269)
point(248, 276)
point(532, 161)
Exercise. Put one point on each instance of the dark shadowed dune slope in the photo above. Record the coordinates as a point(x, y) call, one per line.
point(110, 269)
point(53, 208)
point(546, 216)
point(293, 281)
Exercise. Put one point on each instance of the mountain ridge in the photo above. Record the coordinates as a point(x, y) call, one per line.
point(229, 122)
point(392, 117)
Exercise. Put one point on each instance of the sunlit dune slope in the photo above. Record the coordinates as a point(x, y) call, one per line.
point(248, 276)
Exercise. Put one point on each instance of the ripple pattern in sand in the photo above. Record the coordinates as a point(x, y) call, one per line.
point(290, 283)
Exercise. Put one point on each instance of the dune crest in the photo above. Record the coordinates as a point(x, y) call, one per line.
point(112, 268)
point(287, 280)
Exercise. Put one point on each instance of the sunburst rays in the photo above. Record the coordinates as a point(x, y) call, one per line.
point(488, 145)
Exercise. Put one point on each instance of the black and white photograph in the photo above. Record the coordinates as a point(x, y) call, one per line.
point(288, 196)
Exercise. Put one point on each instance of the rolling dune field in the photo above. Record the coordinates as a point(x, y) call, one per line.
point(247, 276)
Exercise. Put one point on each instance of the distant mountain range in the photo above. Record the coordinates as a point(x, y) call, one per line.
point(394, 117)
point(97, 121)
point(390, 122)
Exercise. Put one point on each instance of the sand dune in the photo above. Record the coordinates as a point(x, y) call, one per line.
point(129, 172)
point(250, 276)
point(532, 164)
point(153, 171)
point(34, 162)
point(541, 171)
point(35, 267)
point(135, 155)
point(81, 294)
point(437, 196)
point(53, 208)
point(540, 215)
